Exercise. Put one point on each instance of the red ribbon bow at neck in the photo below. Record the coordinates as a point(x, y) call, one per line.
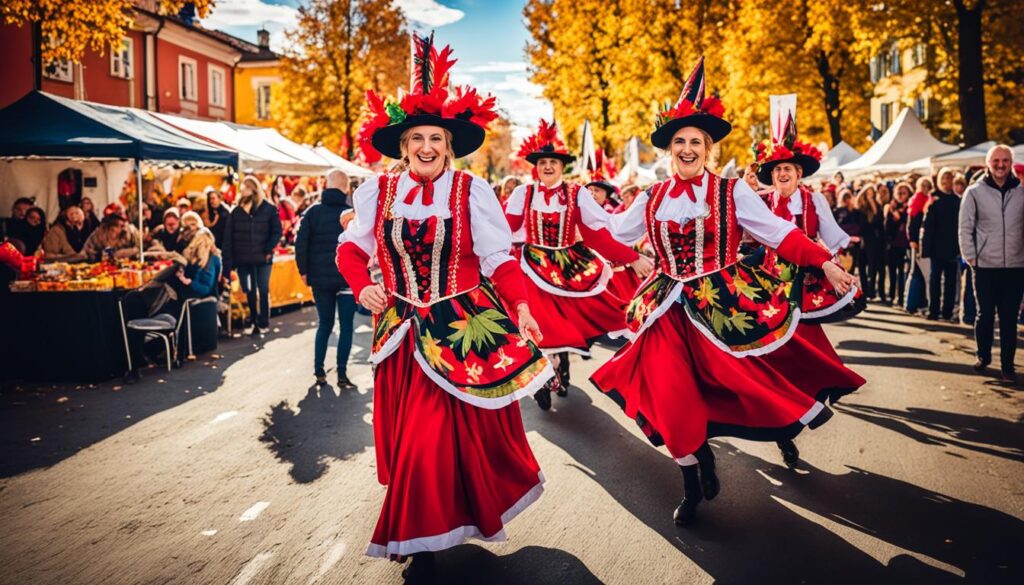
point(682, 185)
point(550, 192)
point(424, 185)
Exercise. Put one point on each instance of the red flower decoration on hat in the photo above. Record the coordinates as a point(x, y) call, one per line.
point(546, 138)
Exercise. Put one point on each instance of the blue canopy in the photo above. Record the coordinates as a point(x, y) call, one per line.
point(44, 125)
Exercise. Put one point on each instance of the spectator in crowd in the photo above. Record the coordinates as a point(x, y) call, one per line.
point(959, 184)
point(896, 241)
point(629, 193)
point(191, 223)
point(829, 191)
point(991, 236)
point(30, 230)
point(184, 206)
point(115, 236)
point(968, 307)
point(167, 236)
point(853, 222)
point(917, 296)
point(19, 208)
point(300, 200)
point(91, 220)
point(508, 184)
point(750, 177)
point(315, 248)
point(203, 266)
point(872, 264)
point(216, 218)
point(254, 230)
point(66, 238)
point(939, 244)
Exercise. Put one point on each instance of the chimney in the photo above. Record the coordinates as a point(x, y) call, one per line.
point(263, 38)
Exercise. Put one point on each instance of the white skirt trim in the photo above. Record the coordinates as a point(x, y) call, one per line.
point(846, 300)
point(600, 287)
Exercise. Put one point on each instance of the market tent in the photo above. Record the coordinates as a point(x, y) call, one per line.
point(100, 140)
point(967, 157)
point(48, 126)
point(836, 157)
point(903, 146)
point(349, 168)
point(255, 155)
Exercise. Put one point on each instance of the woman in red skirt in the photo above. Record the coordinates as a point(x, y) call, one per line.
point(781, 163)
point(624, 280)
point(566, 258)
point(450, 362)
point(703, 322)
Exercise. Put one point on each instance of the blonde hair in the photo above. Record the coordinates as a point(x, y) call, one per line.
point(192, 220)
point(943, 172)
point(257, 197)
point(403, 145)
point(200, 248)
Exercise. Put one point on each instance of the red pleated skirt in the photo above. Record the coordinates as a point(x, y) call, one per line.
point(682, 389)
point(573, 323)
point(453, 471)
point(624, 283)
point(829, 379)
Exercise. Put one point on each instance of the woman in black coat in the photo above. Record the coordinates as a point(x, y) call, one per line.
point(252, 233)
point(315, 246)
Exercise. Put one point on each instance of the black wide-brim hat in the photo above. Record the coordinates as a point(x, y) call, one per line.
point(716, 128)
point(604, 185)
point(466, 136)
point(536, 155)
point(809, 164)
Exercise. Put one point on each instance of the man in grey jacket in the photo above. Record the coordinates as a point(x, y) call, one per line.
point(992, 243)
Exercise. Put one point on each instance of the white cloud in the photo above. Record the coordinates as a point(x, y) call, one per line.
point(497, 67)
point(429, 12)
point(233, 13)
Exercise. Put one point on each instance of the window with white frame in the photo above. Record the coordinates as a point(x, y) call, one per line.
point(60, 70)
point(187, 80)
point(121, 59)
point(216, 84)
point(263, 101)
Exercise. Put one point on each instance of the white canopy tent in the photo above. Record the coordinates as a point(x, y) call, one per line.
point(349, 168)
point(102, 181)
point(902, 148)
point(255, 155)
point(967, 157)
point(836, 157)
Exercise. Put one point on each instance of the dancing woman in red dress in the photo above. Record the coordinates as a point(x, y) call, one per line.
point(449, 362)
point(566, 258)
point(703, 322)
point(781, 162)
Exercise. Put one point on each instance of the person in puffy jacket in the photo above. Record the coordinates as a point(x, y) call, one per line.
point(252, 233)
point(315, 247)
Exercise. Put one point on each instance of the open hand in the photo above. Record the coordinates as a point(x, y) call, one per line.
point(528, 325)
point(841, 280)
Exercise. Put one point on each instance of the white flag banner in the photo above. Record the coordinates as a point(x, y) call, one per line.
point(588, 152)
point(781, 107)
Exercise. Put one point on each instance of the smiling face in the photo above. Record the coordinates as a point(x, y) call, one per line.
point(689, 149)
point(33, 218)
point(428, 149)
point(999, 162)
point(785, 177)
point(550, 171)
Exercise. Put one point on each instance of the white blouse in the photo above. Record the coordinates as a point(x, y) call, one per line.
point(492, 238)
point(829, 231)
point(751, 213)
point(593, 215)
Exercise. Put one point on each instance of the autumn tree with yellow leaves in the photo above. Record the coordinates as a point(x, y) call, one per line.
point(67, 28)
point(339, 49)
point(493, 159)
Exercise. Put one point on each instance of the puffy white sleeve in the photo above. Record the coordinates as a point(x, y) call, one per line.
point(516, 201)
point(492, 238)
point(754, 216)
point(829, 231)
point(592, 215)
point(629, 226)
point(360, 231)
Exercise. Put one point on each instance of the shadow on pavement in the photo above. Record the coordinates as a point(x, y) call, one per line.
point(535, 565)
point(995, 437)
point(43, 424)
point(913, 363)
point(326, 425)
point(879, 347)
point(807, 526)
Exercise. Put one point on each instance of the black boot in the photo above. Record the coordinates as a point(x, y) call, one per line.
point(421, 568)
point(686, 512)
point(543, 396)
point(790, 454)
point(708, 478)
point(563, 373)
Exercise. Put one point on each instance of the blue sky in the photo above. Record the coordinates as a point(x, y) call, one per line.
point(488, 37)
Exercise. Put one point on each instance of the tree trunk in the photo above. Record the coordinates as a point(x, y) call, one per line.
point(830, 88)
point(971, 74)
point(346, 96)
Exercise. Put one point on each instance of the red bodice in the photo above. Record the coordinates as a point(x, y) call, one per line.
point(552, 229)
point(700, 246)
point(424, 261)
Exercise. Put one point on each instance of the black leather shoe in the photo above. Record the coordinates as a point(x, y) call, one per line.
point(321, 379)
point(131, 377)
point(344, 383)
point(790, 454)
point(543, 397)
point(563, 372)
point(686, 511)
point(1009, 376)
point(980, 365)
point(421, 568)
